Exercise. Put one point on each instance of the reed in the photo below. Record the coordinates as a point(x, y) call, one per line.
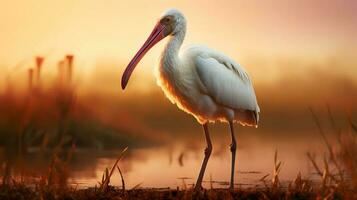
point(69, 59)
point(104, 184)
point(61, 75)
point(39, 62)
point(343, 160)
point(276, 171)
point(30, 79)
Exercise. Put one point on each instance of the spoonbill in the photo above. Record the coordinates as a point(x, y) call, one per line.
point(200, 81)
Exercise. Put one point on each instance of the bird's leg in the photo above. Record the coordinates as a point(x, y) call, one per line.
point(233, 148)
point(208, 152)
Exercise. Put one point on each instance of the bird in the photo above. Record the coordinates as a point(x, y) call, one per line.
point(201, 81)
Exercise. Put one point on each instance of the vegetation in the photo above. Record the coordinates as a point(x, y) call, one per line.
point(50, 116)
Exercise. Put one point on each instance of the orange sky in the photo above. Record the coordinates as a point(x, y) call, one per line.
point(112, 29)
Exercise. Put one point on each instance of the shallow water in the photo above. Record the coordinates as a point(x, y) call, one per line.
point(177, 164)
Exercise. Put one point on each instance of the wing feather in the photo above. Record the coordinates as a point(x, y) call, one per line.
point(226, 82)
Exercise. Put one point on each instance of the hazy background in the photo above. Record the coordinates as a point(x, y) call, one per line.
point(299, 54)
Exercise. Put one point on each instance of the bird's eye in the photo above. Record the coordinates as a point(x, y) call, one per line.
point(166, 20)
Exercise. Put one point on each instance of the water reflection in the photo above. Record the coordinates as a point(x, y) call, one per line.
point(177, 164)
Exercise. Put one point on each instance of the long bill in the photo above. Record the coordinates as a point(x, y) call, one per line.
point(156, 35)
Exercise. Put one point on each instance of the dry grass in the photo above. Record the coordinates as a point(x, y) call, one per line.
point(104, 184)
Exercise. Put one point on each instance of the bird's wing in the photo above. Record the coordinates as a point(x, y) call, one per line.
point(225, 81)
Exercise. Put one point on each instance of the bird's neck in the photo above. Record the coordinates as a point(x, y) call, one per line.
point(169, 58)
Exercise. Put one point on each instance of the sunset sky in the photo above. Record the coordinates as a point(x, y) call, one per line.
point(254, 33)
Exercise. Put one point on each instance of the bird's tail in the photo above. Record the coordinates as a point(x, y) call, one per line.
point(247, 117)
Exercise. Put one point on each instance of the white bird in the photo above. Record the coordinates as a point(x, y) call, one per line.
point(200, 81)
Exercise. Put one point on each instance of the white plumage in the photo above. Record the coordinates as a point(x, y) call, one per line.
point(208, 85)
point(201, 81)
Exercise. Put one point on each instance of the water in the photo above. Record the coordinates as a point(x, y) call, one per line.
point(177, 165)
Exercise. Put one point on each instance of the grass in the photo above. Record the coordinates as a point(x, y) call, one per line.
point(297, 189)
point(21, 192)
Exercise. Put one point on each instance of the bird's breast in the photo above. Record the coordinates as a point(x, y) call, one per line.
point(178, 86)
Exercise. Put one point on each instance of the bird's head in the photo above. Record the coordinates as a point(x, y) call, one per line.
point(170, 23)
point(173, 21)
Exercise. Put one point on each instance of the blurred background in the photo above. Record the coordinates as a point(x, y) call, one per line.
point(61, 64)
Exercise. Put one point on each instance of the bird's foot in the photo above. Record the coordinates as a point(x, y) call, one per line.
point(231, 187)
point(197, 192)
point(198, 187)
